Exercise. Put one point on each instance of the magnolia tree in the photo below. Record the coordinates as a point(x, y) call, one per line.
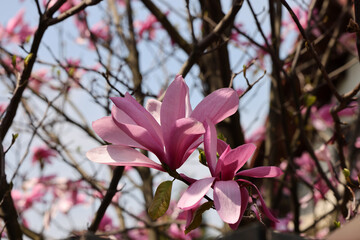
point(178, 120)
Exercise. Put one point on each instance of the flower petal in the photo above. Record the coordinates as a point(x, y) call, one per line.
point(210, 145)
point(227, 200)
point(154, 106)
point(138, 133)
point(244, 203)
point(138, 114)
point(264, 207)
point(195, 193)
point(121, 156)
point(233, 160)
point(261, 172)
point(185, 131)
point(107, 129)
point(176, 105)
point(217, 106)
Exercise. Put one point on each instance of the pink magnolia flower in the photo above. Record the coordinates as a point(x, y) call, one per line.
point(17, 30)
point(177, 231)
point(38, 78)
point(70, 199)
point(171, 130)
point(106, 224)
point(149, 26)
point(42, 154)
point(25, 200)
point(230, 194)
point(322, 119)
point(100, 30)
point(283, 223)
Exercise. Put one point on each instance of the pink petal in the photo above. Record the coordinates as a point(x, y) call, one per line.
point(121, 156)
point(154, 106)
point(184, 132)
point(217, 106)
point(233, 160)
point(210, 145)
point(110, 132)
point(221, 146)
point(227, 200)
point(194, 145)
point(261, 172)
point(17, 20)
point(264, 207)
point(138, 114)
point(244, 203)
point(195, 193)
point(176, 105)
point(147, 138)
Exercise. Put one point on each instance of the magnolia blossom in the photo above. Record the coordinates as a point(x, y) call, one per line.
point(16, 30)
point(75, 73)
point(100, 30)
point(25, 200)
point(38, 78)
point(177, 231)
point(42, 154)
point(171, 129)
point(322, 119)
point(106, 224)
point(149, 25)
point(230, 194)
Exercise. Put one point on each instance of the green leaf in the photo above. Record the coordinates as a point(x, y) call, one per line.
point(221, 137)
point(27, 59)
point(161, 201)
point(337, 224)
point(27, 40)
point(202, 157)
point(71, 71)
point(309, 100)
point(14, 137)
point(346, 172)
point(13, 61)
point(196, 221)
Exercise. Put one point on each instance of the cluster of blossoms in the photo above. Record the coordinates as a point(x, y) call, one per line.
point(16, 30)
point(148, 26)
point(172, 131)
point(62, 194)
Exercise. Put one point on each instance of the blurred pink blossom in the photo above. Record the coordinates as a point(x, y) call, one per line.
point(106, 224)
point(42, 154)
point(16, 30)
point(3, 107)
point(24, 201)
point(38, 78)
point(357, 142)
point(149, 26)
point(283, 224)
point(257, 136)
point(322, 119)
